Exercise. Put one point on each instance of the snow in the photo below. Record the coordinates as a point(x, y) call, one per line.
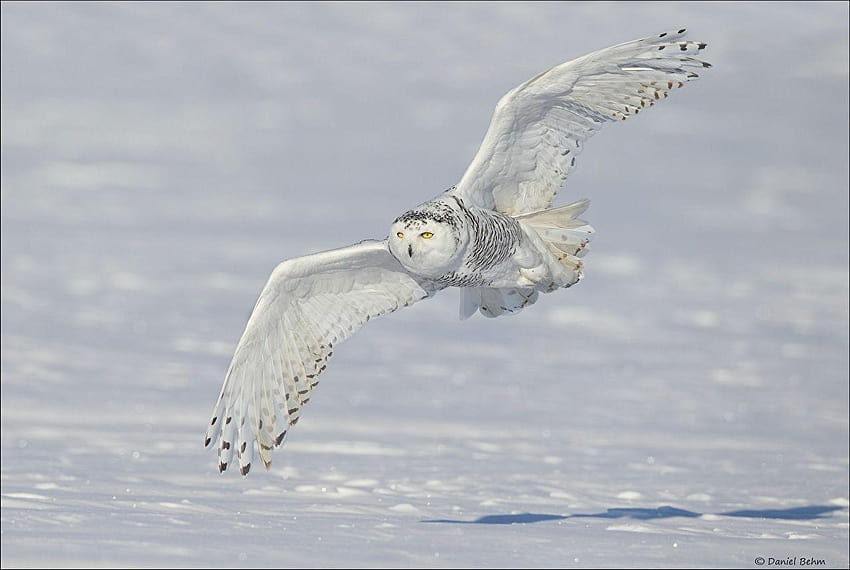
point(686, 405)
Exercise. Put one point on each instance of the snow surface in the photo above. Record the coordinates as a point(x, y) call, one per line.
point(685, 405)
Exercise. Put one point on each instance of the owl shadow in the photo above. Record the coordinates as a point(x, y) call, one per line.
point(665, 512)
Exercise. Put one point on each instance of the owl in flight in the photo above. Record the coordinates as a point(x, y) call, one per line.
point(493, 235)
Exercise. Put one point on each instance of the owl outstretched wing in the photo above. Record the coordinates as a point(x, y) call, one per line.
point(308, 305)
point(539, 127)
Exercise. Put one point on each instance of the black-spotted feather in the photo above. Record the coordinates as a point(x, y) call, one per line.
point(308, 305)
point(521, 165)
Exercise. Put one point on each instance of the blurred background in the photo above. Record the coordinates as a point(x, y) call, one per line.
point(159, 159)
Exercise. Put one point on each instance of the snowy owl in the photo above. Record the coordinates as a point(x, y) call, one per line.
point(494, 235)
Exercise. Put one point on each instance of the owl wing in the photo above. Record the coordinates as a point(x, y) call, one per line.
point(539, 127)
point(308, 305)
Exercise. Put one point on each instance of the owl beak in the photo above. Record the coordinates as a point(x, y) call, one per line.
point(409, 251)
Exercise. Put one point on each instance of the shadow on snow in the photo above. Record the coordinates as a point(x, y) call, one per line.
point(666, 512)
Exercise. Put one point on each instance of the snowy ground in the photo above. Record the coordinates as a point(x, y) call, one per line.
point(685, 405)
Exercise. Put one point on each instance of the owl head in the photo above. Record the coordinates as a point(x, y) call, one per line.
point(428, 240)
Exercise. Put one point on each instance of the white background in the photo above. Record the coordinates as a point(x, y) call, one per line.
point(685, 405)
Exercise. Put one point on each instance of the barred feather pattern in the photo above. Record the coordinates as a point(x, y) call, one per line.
point(495, 238)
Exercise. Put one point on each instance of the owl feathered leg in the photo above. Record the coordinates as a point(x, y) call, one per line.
point(495, 302)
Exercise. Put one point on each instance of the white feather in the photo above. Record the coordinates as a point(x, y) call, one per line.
point(539, 127)
point(308, 304)
point(502, 259)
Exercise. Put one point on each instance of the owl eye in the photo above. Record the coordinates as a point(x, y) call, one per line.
point(426, 235)
point(400, 235)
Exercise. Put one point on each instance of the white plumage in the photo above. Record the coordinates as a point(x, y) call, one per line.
point(540, 126)
point(493, 235)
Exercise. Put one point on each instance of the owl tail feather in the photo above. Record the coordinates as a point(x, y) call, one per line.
point(566, 235)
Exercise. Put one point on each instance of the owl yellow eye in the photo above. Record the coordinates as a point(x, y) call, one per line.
point(400, 235)
point(426, 235)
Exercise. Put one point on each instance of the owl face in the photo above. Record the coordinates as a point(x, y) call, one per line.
point(425, 246)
